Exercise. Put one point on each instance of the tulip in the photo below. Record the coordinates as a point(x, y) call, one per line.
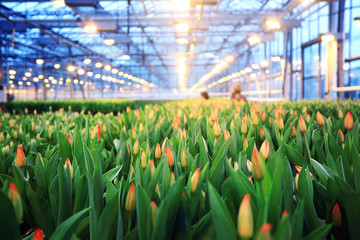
point(183, 134)
point(232, 124)
point(293, 131)
point(2, 138)
point(97, 130)
point(341, 136)
point(184, 159)
point(163, 145)
point(20, 160)
point(330, 122)
point(205, 145)
point(251, 180)
point(124, 128)
point(68, 164)
point(280, 123)
point(157, 189)
point(133, 133)
point(6, 150)
point(141, 127)
point(320, 119)
point(348, 121)
point(69, 139)
point(153, 212)
point(137, 114)
point(38, 234)
point(254, 117)
point(151, 114)
point(135, 148)
point(195, 180)
point(264, 232)
point(216, 128)
point(262, 134)
point(263, 115)
point(143, 159)
point(298, 169)
point(243, 126)
point(258, 165)
point(236, 166)
point(270, 120)
point(157, 151)
point(130, 204)
point(249, 165)
point(152, 167)
point(169, 156)
point(214, 113)
point(16, 201)
point(341, 114)
point(176, 123)
point(172, 179)
point(245, 219)
point(104, 128)
point(296, 181)
point(302, 125)
point(226, 135)
point(336, 216)
point(245, 144)
point(264, 149)
point(127, 109)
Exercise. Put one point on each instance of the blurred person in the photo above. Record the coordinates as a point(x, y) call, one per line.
point(236, 93)
point(205, 95)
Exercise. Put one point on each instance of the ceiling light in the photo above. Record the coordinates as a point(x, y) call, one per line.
point(90, 74)
point(35, 79)
point(90, 28)
point(76, 81)
point(107, 67)
point(109, 41)
point(28, 83)
point(114, 71)
point(255, 66)
point(98, 64)
point(229, 58)
point(327, 37)
point(97, 75)
point(273, 24)
point(39, 61)
point(254, 40)
point(181, 4)
point(275, 58)
point(81, 71)
point(182, 27)
point(57, 66)
point(28, 74)
point(264, 63)
point(357, 21)
point(248, 70)
point(70, 68)
point(182, 41)
point(12, 72)
point(58, 3)
point(87, 60)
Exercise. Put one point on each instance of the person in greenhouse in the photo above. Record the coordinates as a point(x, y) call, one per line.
point(236, 93)
point(205, 95)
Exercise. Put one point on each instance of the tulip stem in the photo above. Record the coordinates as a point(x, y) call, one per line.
point(307, 147)
point(129, 222)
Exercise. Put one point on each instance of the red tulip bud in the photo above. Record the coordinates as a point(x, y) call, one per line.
point(20, 159)
point(348, 121)
point(69, 139)
point(264, 232)
point(97, 130)
point(336, 216)
point(245, 219)
point(68, 164)
point(226, 134)
point(195, 179)
point(169, 156)
point(341, 136)
point(130, 204)
point(38, 234)
point(302, 125)
point(16, 201)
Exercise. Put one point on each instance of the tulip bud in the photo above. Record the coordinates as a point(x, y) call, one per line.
point(336, 216)
point(137, 114)
point(133, 133)
point(293, 131)
point(270, 120)
point(127, 109)
point(296, 181)
point(330, 122)
point(320, 119)
point(232, 124)
point(153, 212)
point(20, 159)
point(280, 123)
point(135, 148)
point(68, 164)
point(341, 136)
point(16, 201)
point(176, 123)
point(1, 137)
point(143, 159)
point(163, 145)
point(243, 126)
point(216, 128)
point(152, 167)
point(226, 135)
point(130, 204)
point(302, 125)
point(341, 114)
point(236, 166)
point(172, 179)
point(264, 232)
point(245, 144)
point(104, 129)
point(183, 134)
point(151, 114)
point(214, 113)
point(184, 159)
point(262, 134)
point(348, 121)
point(157, 151)
point(141, 127)
point(263, 115)
point(69, 139)
point(157, 189)
point(249, 165)
point(264, 149)
point(169, 156)
point(97, 130)
point(298, 169)
point(205, 145)
point(245, 219)
point(258, 165)
point(6, 150)
point(195, 180)
point(38, 234)
point(124, 128)
point(254, 117)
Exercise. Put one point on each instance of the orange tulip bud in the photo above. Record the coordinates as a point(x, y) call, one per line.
point(280, 123)
point(226, 134)
point(16, 201)
point(195, 180)
point(302, 125)
point(38, 234)
point(293, 131)
point(68, 164)
point(254, 117)
point(135, 148)
point(320, 119)
point(130, 204)
point(341, 136)
point(151, 114)
point(216, 128)
point(263, 115)
point(69, 139)
point(258, 165)
point(245, 219)
point(153, 212)
point(214, 113)
point(143, 159)
point(127, 109)
point(104, 129)
point(20, 159)
point(172, 179)
point(262, 134)
point(97, 130)
point(184, 159)
point(298, 169)
point(264, 149)
point(176, 123)
point(270, 120)
point(169, 156)
point(133, 133)
point(152, 167)
point(243, 125)
point(341, 114)
point(264, 232)
point(245, 144)
point(348, 121)
point(336, 216)
point(157, 151)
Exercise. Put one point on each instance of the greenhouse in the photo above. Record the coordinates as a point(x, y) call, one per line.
point(179, 119)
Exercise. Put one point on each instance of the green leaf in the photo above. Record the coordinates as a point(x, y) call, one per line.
point(65, 148)
point(319, 233)
point(9, 226)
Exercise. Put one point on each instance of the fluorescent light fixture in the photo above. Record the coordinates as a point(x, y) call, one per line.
point(90, 27)
point(109, 41)
point(28, 74)
point(98, 64)
point(57, 66)
point(229, 58)
point(12, 72)
point(327, 38)
point(182, 41)
point(107, 67)
point(70, 68)
point(182, 27)
point(39, 61)
point(90, 74)
point(273, 24)
point(264, 63)
point(254, 40)
point(114, 71)
point(276, 58)
point(81, 71)
point(87, 60)
point(58, 3)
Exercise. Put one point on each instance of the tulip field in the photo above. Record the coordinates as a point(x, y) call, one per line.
point(189, 169)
